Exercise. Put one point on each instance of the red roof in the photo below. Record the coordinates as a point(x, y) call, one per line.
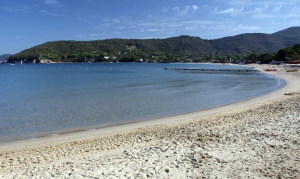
point(295, 61)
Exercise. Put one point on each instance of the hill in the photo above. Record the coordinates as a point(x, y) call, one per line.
point(182, 48)
point(3, 57)
point(292, 33)
point(253, 43)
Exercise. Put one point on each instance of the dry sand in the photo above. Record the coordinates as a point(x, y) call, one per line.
point(257, 138)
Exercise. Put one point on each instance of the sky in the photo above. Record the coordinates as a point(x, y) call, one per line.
point(27, 23)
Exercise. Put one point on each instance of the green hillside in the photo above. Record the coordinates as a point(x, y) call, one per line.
point(292, 33)
point(175, 49)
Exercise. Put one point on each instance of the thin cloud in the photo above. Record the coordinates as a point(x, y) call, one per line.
point(262, 13)
point(247, 28)
point(276, 9)
point(153, 30)
point(199, 22)
point(215, 10)
point(86, 35)
point(294, 12)
point(232, 28)
point(231, 11)
point(164, 10)
point(191, 28)
point(116, 20)
point(186, 9)
point(181, 10)
point(263, 16)
point(195, 8)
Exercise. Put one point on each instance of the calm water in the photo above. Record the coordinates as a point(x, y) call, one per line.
point(42, 99)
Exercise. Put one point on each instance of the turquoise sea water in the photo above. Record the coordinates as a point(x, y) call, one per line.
point(44, 99)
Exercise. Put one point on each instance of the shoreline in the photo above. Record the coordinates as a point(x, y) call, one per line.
point(33, 136)
point(155, 121)
point(154, 141)
point(119, 125)
point(137, 124)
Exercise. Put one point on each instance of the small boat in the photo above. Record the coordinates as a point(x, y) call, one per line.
point(270, 69)
point(292, 70)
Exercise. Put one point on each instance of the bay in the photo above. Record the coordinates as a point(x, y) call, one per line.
point(45, 99)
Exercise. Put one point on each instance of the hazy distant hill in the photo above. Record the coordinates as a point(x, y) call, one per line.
point(254, 43)
point(3, 57)
point(163, 50)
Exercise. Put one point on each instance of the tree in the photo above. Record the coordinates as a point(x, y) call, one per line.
point(285, 54)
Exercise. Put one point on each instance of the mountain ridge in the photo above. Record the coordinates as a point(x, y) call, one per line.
point(292, 32)
point(163, 50)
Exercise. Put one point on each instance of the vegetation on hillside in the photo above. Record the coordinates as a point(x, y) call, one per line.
point(124, 50)
point(286, 55)
point(244, 47)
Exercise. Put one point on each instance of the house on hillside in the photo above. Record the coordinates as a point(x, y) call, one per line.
point(295, 62)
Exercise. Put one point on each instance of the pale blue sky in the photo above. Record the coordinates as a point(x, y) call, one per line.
point(27, 23)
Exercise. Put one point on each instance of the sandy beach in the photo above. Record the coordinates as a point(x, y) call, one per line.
point(257, 138)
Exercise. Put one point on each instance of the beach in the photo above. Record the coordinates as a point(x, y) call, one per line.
point(256, 138)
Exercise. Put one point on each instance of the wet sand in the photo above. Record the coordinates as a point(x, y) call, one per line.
point(257, 138)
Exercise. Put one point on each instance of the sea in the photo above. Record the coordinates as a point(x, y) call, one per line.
point(49, 99)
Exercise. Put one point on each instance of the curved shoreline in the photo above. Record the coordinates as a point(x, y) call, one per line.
point(67, 135)
point(281, 84)
point(256, 138)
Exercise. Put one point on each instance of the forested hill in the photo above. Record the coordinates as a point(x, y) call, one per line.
point(173, 49)
point(293, 33)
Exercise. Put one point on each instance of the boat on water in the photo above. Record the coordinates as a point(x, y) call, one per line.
point(270, 69)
